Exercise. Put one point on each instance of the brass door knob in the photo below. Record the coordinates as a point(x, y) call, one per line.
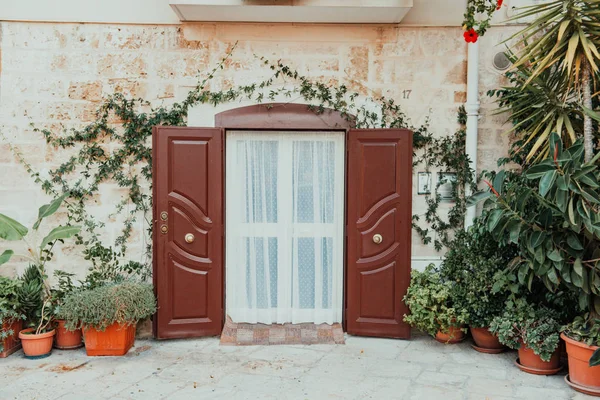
point(377, 239)
point(164, 228)
point(189, 238)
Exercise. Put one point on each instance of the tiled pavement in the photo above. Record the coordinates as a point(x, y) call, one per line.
point(363, 368)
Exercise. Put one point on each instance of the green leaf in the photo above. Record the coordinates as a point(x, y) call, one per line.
point(547, 181)
point(514, 230)
point(494, 218)
point(4, 257)
point(578, 267)
point(554, 255)
point(536, 239)
point(59, 233)
point(574, 243)
point(522, 274)
point(552, 276)
point(499, 181)
point(11, 229)
point(595, 358)
point(539, 170)
point(478, 197)
point(49, 209)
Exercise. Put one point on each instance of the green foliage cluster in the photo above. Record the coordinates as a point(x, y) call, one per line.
point(127, 123)
point(10, 307)
point(123, 303)
point(429, 299)
point(472, 265)
point(533, 326)
point(555, 221)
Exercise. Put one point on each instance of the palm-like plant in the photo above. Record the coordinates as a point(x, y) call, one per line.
point(561, 47)
point(545, 104)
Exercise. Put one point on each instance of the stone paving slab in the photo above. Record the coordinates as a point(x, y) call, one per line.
point(363, 368)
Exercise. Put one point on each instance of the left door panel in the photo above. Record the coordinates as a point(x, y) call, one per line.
point(188, 231)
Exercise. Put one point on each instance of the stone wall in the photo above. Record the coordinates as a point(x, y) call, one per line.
point(55, 75)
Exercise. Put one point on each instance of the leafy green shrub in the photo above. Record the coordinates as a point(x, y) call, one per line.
point(124, 303)
point(536, 327)
point(555, 221)
point(430, 303)
point(472, 263)
point(10, 308)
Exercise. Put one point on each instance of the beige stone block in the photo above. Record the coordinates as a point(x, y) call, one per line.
point(91, 91)
point(130, 87)
point(326, 65)
point(458, 74)
point(358, 63)
point(460, 97)
point(122, 65)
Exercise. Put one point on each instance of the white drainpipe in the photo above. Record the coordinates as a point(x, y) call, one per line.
point(472, 108)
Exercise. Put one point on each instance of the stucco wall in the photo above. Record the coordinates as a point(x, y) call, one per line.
point(55, 75)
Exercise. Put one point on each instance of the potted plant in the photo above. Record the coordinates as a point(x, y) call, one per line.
point(65, 339)
point(535, 332)
point(36, 340)
point(582, 338)
point(472, 262)
point(431, 307)
point(11, 316)
point(108, 315)
point(553, 218)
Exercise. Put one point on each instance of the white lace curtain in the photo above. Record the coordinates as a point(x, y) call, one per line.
point(284, 229)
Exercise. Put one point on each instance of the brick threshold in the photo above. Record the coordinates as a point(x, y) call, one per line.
point(243, 334)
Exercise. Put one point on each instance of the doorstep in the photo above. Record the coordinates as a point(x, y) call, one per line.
point(243, 334)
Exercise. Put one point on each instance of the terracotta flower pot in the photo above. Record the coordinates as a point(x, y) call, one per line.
point(11, 343)
point(486, 341)
point(116, 340)
point(581, 376)
point(454, 335)
point(65, 339)
point(36, 346)
point(532, 363)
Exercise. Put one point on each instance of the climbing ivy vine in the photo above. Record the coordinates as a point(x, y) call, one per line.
point(116, 148)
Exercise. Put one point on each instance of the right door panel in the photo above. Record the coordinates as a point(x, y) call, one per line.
point(379, 215)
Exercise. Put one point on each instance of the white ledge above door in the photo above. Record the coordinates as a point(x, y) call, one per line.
point(299, 11)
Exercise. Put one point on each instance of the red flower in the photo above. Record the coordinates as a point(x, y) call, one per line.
point(499, 4)
point(471, 36)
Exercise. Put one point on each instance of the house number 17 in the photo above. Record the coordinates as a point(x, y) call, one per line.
point(406, 94)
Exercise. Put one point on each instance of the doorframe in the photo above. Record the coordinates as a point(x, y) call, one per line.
point(285, 117)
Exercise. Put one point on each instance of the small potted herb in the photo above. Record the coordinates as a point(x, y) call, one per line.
point(65, 339)
point(431, 307)
point(36, 340)
point(108, 315)
point(535, 332)
point(11, 316)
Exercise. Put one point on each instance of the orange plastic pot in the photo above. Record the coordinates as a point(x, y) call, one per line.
point(580, 373)
point(65, 339)
point(36, 346)
point(11, 343)
point(485, 339)
point(454, 335)
point(533, 364)
point(116, 340)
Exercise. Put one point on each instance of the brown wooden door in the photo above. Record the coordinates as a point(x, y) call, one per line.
point(379, 186)
point(188, 231)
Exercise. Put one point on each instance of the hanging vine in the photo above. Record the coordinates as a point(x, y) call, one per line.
point(115, 147)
